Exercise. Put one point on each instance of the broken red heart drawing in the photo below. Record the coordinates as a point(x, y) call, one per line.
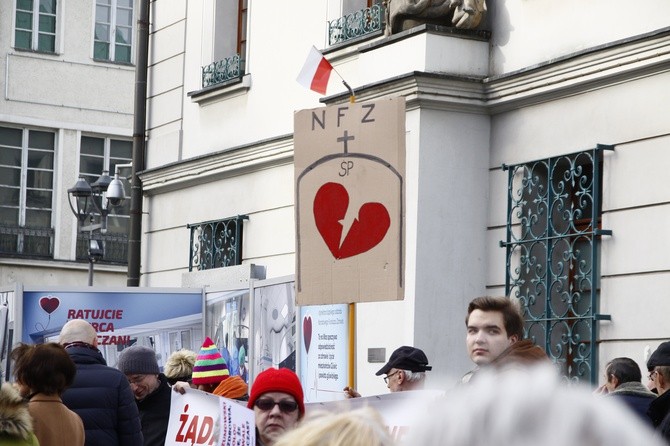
point(49, 304)
point(331, 203)
point(307, 331)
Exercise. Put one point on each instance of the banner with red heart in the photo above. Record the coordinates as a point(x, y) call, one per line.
point(49, 303)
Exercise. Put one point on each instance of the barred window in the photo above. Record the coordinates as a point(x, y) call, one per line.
point(552, 253)
point(26, 191)
point(216, 244)
point(230, 43)
point(96, 155)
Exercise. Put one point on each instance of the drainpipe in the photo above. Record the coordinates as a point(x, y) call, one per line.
point(139, 145)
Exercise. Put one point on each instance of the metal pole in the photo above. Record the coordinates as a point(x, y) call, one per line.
point(90, 271)
point(139, 131)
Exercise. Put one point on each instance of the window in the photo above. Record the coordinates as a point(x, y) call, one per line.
point(113, 30)
point(96, 155)
point(359, 18)
point(552, 251)
point(215, 244)
point(26, 191)
point(35, 25)
point(230, 43)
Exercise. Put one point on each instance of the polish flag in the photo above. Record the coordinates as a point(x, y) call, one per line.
point(316, 72)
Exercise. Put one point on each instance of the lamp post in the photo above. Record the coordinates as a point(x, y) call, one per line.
point(93, 202)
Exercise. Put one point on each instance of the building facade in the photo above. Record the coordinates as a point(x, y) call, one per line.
point(67, 74)
point(535, 153)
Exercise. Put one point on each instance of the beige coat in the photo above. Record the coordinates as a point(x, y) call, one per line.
point(55, 424)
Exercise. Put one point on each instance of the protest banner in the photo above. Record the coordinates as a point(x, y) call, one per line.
point(201, 418)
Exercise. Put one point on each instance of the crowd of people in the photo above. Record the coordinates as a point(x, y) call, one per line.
point(65, 394)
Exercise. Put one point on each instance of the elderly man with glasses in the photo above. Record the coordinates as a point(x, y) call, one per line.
point(405, 370)
point(659, 409)
point(278, 404)
point(151, 390)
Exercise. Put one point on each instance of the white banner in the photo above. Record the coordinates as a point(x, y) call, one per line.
point(200, 418)
point(400, 410)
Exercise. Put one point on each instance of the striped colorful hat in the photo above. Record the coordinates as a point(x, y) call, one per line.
point(210, 367)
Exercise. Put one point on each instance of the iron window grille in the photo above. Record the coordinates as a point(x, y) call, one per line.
point(552, 255)
point(216, 244)
point(360, 23)
point(115, 247)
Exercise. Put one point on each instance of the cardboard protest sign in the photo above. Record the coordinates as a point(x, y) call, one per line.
point(200, 418)
point(349, 184)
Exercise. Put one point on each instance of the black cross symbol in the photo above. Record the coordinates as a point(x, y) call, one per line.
point(345, 139)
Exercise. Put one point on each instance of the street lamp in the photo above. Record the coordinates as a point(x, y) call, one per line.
point(89, 201)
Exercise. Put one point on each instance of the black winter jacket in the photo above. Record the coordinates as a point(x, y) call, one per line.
point(101, 396)
point(155, 413)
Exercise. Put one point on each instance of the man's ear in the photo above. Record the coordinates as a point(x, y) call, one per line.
point(661, 380)
point(513, 339)
point(613, 379)
point(401, 377)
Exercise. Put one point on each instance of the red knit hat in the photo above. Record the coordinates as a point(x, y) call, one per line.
point(277, 380)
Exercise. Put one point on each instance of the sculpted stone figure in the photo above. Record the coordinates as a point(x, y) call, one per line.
point(405, 14)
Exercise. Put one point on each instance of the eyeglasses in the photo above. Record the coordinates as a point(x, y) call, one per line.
point(386, 378)
point(137, 379)
point(285, 406)
point(651, 375)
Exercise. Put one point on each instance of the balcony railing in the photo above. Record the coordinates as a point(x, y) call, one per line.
point(357, 24)
point(115, 247)
point(221, 71)
point(26, 242)
point(215, 244)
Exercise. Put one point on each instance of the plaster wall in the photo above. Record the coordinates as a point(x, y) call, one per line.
point(526, 33)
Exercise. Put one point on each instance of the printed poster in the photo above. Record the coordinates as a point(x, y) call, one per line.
point(324, 352)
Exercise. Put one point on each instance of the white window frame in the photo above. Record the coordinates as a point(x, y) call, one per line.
point(34, 44)
point(112, 33)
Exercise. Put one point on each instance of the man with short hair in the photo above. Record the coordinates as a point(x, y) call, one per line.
point(100, 395)
point(495, 335)
point(405, 370)
point(659, 409)
point(151, 390)
point(624, 382)
point(278, 404)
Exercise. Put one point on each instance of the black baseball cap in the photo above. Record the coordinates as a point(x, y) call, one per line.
point(406, 358)
point(660, 357)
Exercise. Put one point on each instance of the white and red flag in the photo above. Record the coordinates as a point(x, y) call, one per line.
point(316, 72)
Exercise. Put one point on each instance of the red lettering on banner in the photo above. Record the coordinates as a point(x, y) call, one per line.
point(94, 314)
point(182, 418)
point(192, 430)
point(206, 430)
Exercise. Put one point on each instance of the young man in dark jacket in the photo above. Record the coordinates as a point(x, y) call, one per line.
point(100, 395)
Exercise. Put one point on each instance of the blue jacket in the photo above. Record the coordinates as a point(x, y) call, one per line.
point(101, 396)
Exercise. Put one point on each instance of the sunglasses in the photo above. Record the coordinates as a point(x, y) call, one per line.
point(285, 406)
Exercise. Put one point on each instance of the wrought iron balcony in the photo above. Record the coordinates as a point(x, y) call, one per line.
point(357, 24)
point(26, 242)
point(221, 71)
point(115, 247)
point(216, 244)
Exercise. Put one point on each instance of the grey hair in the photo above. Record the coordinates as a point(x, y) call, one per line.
point(527, 407)
point(77, 330)
point(414, 377)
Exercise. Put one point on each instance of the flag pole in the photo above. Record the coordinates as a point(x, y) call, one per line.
point(352, 95)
